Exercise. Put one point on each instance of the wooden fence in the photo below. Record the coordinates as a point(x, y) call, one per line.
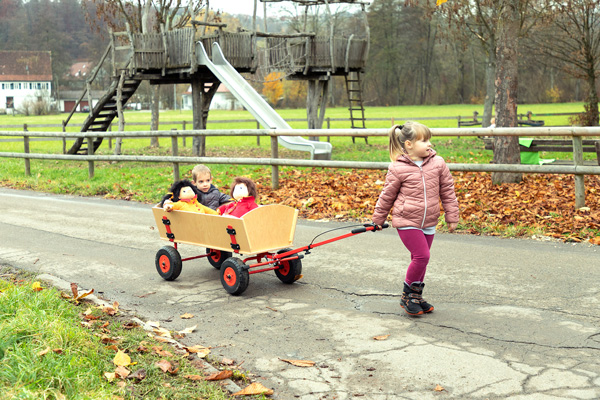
point(578, 169)
point(189, 124)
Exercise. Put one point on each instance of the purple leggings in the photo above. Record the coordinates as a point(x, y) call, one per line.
point(418, 244)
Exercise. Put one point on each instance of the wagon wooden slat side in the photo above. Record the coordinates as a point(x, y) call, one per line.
point(264, 229)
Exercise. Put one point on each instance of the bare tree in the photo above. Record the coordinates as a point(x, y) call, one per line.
point(571, 36)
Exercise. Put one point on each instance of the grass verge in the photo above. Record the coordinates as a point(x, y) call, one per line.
point(53, 347)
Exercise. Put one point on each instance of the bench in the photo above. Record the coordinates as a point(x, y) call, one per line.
point(520, 120)
point(554, 145)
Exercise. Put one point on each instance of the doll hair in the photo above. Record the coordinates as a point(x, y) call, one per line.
point(199, 170)
point(252, 192)
point(174, 190)
point(399, 134)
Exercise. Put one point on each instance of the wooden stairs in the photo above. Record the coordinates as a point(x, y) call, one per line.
point(104, 112)
point(355, 103)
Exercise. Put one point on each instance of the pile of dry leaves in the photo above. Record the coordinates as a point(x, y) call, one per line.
point(541, 204)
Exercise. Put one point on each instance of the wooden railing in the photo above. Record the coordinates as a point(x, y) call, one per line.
point(578, 169)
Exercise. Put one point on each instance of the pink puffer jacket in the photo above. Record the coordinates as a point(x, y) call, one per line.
point(413, 193)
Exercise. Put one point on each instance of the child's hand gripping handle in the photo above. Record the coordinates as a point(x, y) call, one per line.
point(369, 227)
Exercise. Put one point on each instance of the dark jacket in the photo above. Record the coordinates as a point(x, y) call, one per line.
point(213, 198)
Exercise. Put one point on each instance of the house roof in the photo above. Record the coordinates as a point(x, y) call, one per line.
point(25, 65)
point(80, 69)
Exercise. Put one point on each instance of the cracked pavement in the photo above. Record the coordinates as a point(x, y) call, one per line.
point(514, 318)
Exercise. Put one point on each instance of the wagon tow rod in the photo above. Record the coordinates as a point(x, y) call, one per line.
point(312, 245)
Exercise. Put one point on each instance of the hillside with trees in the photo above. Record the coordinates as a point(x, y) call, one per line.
point(412, 59)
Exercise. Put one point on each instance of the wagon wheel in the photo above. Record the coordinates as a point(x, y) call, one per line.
point(168, 263)
point(217, 257)
point(289, 271)
point(234, 276)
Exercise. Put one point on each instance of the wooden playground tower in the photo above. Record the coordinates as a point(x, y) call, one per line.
point(170, 57)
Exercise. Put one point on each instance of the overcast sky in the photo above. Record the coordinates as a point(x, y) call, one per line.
point(273, 9)
point(246, 7)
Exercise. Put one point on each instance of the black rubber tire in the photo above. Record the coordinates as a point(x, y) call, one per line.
point(289, 271)
point(168, 263)
point(234, 276)
point(218, 257)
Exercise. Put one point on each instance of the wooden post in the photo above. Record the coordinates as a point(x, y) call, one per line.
point(274, 168)
point(175, 153)
point(64, 139)
point(90, 143)
point(26, 149)
point(579, 179)
point(183, 138)
point(257, 137)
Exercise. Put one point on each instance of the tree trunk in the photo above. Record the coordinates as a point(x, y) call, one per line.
point(490, 87)
point(506, 148)
point(592, 99)
point(199, 142)
point(155, 112)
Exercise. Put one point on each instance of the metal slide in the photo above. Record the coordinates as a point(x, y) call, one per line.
point(254, 103)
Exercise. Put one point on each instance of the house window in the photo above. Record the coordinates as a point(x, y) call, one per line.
point(10, 102)
point(30, 85)
point(12, 85)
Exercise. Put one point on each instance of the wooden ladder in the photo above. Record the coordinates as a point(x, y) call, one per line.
point(104, 112)
point(355, 103)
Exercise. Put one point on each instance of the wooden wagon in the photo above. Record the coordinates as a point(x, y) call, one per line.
point(263, 235)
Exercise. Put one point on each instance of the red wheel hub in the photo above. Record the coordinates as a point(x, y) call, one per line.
point(165, 263)
point(229, 276)
point(285, 268)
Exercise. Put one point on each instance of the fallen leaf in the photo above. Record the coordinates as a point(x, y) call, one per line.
point(130, 325)
point(122, 372)
point(200, 351)
point(219, 376)
point(439, 388)
point(138, 375)
point(194, 377)
point(381, 337)
point(187, 316)
point(121, 359)
point(227, 361)
point(188, 330)
point(36, 286)
point(300, 363)
point(254, 388)
point(110, 376)
point(166, 366)
point(43, 352)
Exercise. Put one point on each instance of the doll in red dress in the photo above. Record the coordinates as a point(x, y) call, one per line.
point(243, 190)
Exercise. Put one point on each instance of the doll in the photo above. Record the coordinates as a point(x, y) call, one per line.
point(183, 197)
point(243, 190)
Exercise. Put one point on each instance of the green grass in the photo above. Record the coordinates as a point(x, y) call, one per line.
point(47, 353)
point(146, 182)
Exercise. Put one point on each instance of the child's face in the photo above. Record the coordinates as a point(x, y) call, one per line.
point(203, 182)
point(418, 149)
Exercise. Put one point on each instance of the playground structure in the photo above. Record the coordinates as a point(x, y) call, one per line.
point(207, 60)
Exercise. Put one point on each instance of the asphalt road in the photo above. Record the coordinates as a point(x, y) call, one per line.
point(513, 318)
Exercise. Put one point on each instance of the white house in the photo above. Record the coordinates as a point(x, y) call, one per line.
point(25, 78)
point(223, 100)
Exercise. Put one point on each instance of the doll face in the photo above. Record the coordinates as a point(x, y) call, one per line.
point(186, 193)
point(239, 191)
